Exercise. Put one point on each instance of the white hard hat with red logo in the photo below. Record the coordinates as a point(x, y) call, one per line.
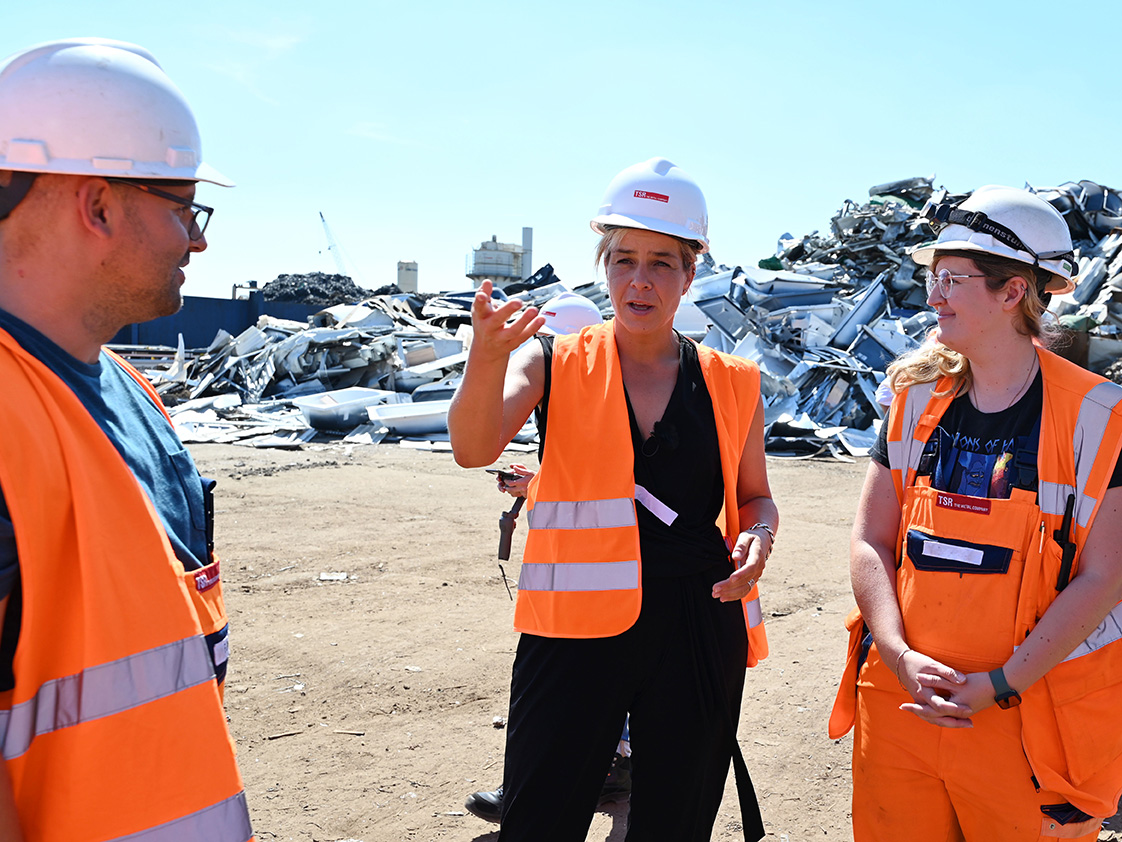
point(568, 312)
point(657, 196)
point(91, 106)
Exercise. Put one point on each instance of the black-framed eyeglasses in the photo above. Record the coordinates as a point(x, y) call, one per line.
point(199, 219)
point(945, 281)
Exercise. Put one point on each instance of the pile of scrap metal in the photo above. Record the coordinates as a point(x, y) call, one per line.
point(827, 314)
point(383, 369)
point(300, 381)
point(823, 318)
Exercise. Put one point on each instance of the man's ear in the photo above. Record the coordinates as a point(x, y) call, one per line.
point(99, 209)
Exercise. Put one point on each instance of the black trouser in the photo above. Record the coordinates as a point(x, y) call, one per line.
point(679, 671)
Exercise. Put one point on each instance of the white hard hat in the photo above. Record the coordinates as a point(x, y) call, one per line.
point(1006, 222)
point(656, 196)
point(568, 312)
point(90, 106)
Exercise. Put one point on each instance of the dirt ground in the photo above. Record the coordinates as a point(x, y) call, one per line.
point(364, 708)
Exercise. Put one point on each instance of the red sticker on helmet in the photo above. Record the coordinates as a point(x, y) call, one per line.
point(646, 194)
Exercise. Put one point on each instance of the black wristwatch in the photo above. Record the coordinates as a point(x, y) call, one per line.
point(1006, 697)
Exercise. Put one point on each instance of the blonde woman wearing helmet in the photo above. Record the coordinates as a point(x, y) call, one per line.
point(650, 521)
point(986, 653)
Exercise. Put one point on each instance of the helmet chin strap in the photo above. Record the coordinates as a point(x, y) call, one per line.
point(948, 214)
point(14, 193)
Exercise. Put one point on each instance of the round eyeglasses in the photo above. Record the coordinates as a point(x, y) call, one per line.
point(945, 281)
point(199, 219)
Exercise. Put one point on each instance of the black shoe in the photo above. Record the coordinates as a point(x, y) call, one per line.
point(617, 786)
point(487, 805)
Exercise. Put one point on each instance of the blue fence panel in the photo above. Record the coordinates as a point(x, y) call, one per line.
point(200, 319)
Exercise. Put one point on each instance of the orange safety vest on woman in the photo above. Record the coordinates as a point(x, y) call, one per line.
point(1071, 719)
point(581, 571)
point(114, 728)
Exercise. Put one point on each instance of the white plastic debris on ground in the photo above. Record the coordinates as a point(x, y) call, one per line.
point(823, 319)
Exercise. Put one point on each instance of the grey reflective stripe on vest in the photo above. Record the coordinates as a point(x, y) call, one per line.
point(104, 690)
point(583, 514)
point(580, 576)
point(1095, 412)
point(614, 513)
point(1108, 631)
point(753, 613)
point(904, 455)
point(226, 821)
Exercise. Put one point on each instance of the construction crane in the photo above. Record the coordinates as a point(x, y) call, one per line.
point(333, 247)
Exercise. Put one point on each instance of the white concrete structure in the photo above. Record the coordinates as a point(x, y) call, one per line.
point(502, 263)
point(407, 275)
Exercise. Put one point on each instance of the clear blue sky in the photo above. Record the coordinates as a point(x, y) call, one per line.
point(420, 129)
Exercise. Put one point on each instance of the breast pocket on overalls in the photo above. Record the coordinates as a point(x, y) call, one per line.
point(960, 576)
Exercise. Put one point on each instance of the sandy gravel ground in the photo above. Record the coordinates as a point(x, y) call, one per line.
point(363, 707)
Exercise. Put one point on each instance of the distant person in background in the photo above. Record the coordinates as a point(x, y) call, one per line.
point(564, 313)
point(985, 662)
point(114, 634)
point(637, 592)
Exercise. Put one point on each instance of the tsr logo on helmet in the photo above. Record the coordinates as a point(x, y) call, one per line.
point(647, 194)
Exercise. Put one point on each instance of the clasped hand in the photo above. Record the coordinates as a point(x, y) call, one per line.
point(941, 694)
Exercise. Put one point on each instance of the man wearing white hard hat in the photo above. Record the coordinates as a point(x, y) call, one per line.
point(985, 661)
point(114, 635)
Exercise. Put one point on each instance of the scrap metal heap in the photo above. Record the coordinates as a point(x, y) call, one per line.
point(823, 318)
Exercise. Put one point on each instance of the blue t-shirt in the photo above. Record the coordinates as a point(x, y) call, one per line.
point(142, 435)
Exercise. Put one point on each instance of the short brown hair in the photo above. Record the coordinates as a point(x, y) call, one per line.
point(687, 249)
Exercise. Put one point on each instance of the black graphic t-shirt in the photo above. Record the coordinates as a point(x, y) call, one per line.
point(974, 453)
point(983, 454)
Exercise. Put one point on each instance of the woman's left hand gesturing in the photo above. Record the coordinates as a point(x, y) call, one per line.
point(749, 554)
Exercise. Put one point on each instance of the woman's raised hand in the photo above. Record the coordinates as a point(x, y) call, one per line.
point(489, 318)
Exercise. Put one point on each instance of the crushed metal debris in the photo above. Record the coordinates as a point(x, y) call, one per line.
point(822, 318)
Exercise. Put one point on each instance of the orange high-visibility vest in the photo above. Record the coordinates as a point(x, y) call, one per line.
point(581, 570)
point(114, 727)
point(1071, 720)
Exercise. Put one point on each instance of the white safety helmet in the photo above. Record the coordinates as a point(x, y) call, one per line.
point(1006, 222)
point(657, 196)
point(568, 312)
point(91, 106)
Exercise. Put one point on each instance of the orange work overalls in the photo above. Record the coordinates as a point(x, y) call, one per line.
point(974, 576)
